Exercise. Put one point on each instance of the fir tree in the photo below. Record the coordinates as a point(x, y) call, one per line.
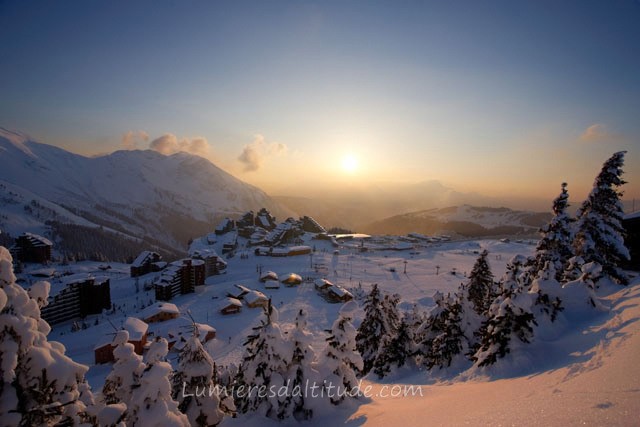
point(509, 317)
point(264, 365)
point(40, 384)
point(556, 242)
point(341, 360)
point(126, 372)
point(372, 330)
point(600, 235)
point(395, 351)
point(480, 288)
point(299, 372)
point(547, 290)
point(194, 384)
point(151, 403)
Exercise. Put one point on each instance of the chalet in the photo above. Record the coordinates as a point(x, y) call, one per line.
point(256, 299)
point(137, 329)
point(77, 296)
point(230, 306)
point(145, 263)
point(177, 331)
point(322, 285)
point(337, 294)
point(272, 284)
point(238, 292)
point(292, 280)
point(269, 275)
point(160, 312)
point(298, 250)
point(31, 247)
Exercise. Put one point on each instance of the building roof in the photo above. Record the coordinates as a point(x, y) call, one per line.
point(255, 296)
point(232, 301)
point(292, 278)
point(38, 240)
point(269, 275)
point(144, 257)
point(136, 328)
point(159, 307)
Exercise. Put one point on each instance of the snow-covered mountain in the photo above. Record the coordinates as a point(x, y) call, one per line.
point(465, 220)
point(142, 194)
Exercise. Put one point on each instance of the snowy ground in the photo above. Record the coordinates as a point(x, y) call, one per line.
point(588, 375)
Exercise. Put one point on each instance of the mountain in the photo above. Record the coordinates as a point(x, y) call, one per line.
point(163, 200)
point(465, 220)
point(357, 206)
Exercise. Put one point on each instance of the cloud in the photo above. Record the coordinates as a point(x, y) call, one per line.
point(169, 144)
point(131, 139)
point(255, 154)
point(598, 132)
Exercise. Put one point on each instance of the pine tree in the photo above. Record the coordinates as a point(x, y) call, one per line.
point(340, 360)
point(40, 384)
point(151, 403)
point(600, 235)
point(480, 288)
point(194, 385)
point(372, 330)
point(547, 290)
point(556, 242)
point(510, 316)
point(263, 366)
point(299, 372)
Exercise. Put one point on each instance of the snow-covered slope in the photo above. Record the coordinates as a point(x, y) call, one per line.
point(140, 193)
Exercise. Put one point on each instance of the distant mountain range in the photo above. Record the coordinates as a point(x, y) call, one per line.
point(465, 220)
point(142, 196)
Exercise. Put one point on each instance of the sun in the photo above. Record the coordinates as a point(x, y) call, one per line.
point(349, 163)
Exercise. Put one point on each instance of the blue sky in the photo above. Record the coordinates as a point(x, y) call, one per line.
point(488, 96)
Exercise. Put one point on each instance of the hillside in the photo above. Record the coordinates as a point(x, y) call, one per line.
point(465, 220)
point(141, 195)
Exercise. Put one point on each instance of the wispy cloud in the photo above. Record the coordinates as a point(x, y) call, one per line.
point(599, 132)
point(255, 154)
point(132, 139)
point(169, 144)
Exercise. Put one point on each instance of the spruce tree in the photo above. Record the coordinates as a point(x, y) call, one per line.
point(547, 290)
point(263, 366)
point(152, 404)
point(600, 235)
point(299, 372)
point(372, 330)
point(340, 361)
point(125, 374)
point(395, 350)
point(509, 317)
point(556, 242)
point(40, 384)
point(480, 287)
point(195, 373)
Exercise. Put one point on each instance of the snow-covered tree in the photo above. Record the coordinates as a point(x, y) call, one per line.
point(395, 351)
point(556, 242)
point(441, 335)
point(340, 360)
point(151, 403)
point(372, 330)
point(126, 372)
point(300, 371)
point(573, 270)
point(40, 384)
point(547, 290)
point(194, 386)
point(599, 232)
point(263, 366)
point(580, 294)
point(480, 287)
point(510, 318)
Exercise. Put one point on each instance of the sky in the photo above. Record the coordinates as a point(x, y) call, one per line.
point(496, 97)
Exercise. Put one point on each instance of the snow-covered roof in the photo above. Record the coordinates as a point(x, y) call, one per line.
point(269, 275)
point(38, 240)
point(323, 283)
point(232, 301)
point(339, 291)
point(144, 257)
point(159, 307)
point(136, 328)
point(255, 296)
point(76, 278)
point(299, 248)
point(292, 278)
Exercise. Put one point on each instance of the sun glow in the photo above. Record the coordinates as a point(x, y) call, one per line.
point(349, 164)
